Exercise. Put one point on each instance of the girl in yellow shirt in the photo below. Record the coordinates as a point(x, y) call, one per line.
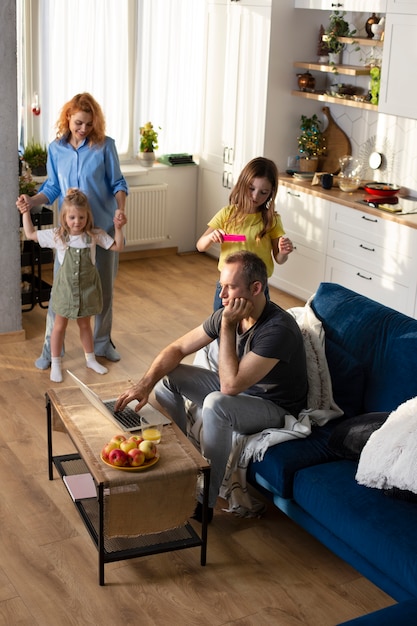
point(250, 215)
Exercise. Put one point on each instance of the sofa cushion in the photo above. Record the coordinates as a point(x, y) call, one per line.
point(382, 340)
point(380, 529)
point(401, 494)
point(349, 437)
point(345, 367)
point(277, 469)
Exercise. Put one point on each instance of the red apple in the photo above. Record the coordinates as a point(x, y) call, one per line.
point(118, 439)
point(112, 445)
point(136, 438)
point(127, 445)
point(118, 457)
point(136, 457)
point(148, 448)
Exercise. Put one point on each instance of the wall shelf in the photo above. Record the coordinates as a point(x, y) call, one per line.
point(348, 70)
point(337, 70)
point(361, 41)
point(324, 97)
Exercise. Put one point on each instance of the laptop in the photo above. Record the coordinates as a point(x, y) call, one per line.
point(128, 419)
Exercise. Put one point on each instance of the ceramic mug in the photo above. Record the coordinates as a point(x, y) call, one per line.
point(327, 181)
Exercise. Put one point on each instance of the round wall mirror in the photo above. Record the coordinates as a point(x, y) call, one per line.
point(375, 160)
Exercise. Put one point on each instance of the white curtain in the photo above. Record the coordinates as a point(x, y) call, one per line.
point(169, 73)
point(142, 60)
point(84, 47)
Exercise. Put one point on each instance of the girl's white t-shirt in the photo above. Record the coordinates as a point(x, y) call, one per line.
point(47, 239)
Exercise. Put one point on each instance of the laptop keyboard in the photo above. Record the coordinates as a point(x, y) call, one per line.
point(128, 418)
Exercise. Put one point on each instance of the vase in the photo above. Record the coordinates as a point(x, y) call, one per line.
point(306, 81)
point(40, 170)
point(308, 165)
point(378, 29)
point(368, 26)
point(335, 58)
point(147, 159)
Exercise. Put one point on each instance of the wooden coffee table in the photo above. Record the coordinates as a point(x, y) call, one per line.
point(63, 407)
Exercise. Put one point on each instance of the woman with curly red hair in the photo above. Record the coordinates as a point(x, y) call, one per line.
point(82, 156)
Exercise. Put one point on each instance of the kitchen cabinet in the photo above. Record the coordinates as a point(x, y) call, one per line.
point(372, 256)
point(305, 221)
point(402, 6)
point(377, 6)
point(398, 95)
point(237, 51)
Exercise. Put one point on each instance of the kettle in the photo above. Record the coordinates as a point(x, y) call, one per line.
point(349, 176)
point(350, 167)
point(306, 81)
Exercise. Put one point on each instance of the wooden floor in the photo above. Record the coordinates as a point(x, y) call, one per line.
point(262, 571)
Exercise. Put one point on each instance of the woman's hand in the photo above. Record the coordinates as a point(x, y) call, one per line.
point(119, 219)
point(24, 203)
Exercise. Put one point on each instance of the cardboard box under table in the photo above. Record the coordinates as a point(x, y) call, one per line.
point(135, 513)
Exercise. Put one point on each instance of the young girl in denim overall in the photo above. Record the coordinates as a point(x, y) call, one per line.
point(76, 292)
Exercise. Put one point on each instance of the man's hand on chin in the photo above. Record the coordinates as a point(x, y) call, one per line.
point(236, 310)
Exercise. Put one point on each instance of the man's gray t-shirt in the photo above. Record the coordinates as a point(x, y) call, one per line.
point(275, 335)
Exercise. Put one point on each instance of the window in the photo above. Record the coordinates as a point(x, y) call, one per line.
point(141, 59)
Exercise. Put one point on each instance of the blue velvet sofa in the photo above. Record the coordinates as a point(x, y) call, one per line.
point(372, 356)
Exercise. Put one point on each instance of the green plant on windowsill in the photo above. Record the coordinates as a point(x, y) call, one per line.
point(148, 138)
point(35, 155)
point(337, 27)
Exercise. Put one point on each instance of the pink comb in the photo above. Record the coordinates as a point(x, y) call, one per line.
point(234, 237)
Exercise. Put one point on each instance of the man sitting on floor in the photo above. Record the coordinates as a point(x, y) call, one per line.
point(262, 374)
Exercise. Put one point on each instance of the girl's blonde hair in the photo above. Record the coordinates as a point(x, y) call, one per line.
point(74, 199)
point(260, 167)
point(82, 102)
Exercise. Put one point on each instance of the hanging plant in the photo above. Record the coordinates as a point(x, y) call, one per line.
point(337, 27)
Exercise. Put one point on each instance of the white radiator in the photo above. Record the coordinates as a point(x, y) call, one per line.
point(146, 212)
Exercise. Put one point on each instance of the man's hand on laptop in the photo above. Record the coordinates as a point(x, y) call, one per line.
point(136, 392)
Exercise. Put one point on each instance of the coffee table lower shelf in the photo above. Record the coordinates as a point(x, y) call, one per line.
point(114, 549)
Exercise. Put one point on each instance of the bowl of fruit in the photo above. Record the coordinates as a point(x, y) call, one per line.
point(131, 454)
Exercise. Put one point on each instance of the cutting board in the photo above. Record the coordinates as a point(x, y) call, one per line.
point(337, 145)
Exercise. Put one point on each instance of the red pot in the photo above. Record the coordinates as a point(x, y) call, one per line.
point(381, 189)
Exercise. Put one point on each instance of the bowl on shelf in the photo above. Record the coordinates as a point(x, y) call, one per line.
point(381, 189)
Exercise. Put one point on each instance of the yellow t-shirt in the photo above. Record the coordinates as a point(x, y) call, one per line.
point(250, 227)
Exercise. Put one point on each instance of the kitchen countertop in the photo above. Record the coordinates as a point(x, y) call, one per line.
point(349, 199)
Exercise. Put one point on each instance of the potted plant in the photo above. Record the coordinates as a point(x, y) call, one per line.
point(337, 27)
point(311, 143)
point(148, 144)
point(35, 155)
point(27, 185)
